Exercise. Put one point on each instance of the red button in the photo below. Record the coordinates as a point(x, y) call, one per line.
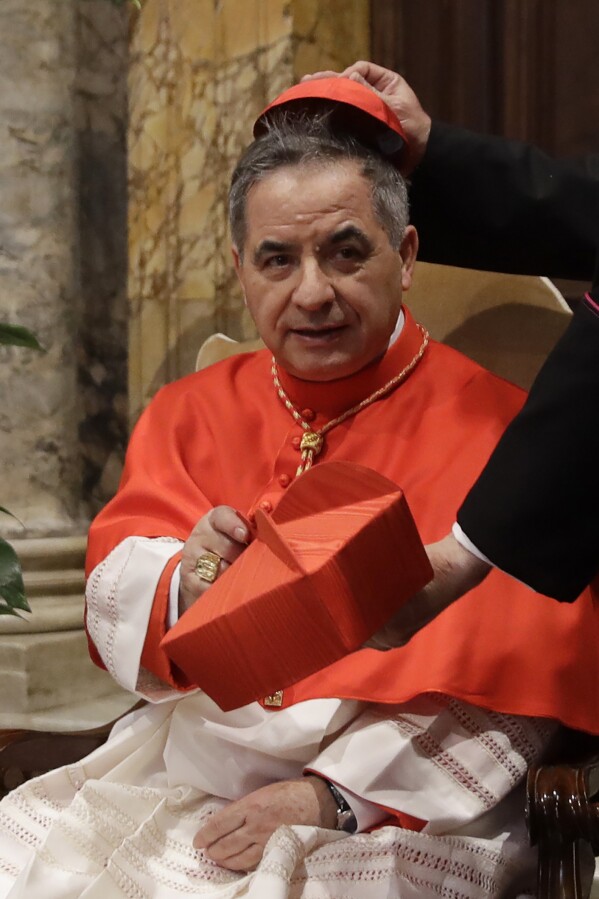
point(296, 442)
point(252, 518)
point(266, 506)
point(284, 480)
point(308, 415)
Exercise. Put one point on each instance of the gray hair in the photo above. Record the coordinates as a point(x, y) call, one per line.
point(303, 140)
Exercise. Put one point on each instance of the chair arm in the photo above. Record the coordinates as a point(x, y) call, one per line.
point(26, 753)
point(563, 821)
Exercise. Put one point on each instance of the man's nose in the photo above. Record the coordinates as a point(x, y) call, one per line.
point(313, 288)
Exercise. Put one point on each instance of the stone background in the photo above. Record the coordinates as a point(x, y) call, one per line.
point(62, 258)
point(38, 268)
point(101, 171)
point(63, 270)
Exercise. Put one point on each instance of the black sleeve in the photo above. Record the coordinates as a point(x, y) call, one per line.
point(489, 203)
point(534, 512)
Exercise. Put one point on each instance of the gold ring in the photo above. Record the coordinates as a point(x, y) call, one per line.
point(206, 567)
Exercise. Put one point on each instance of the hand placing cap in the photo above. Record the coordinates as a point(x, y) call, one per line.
point(354, 108)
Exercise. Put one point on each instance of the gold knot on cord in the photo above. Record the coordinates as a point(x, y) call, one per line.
point(312, 441)
point(310, 446)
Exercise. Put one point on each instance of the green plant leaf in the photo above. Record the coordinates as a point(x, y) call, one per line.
point(7, 512)
point(19, 336)
point(12, 589)
point(8, 610)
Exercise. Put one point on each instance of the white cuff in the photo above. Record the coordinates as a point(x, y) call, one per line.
point(467, 543)
point(120, 594)
point(172, 615)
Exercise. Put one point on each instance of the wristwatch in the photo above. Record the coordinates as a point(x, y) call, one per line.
point(346, 820)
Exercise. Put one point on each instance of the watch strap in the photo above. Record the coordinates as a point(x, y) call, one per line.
point(346, 820)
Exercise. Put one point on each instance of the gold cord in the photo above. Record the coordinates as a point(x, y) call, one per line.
point(313, 441)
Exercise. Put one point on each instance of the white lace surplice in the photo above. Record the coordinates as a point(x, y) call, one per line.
point(122, 822)
point(120, 825)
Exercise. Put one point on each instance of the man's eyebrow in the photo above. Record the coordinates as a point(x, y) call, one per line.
point(351, 232)
point(271, 246)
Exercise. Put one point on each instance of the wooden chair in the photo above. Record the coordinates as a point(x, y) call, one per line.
point(562, 812)
point(508, 324)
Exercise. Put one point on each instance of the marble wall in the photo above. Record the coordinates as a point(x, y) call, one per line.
point(63, 414)
point(39, 407)
point(100, 100)
point(200, 72)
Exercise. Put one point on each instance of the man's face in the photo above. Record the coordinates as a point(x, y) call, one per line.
point(321, 280)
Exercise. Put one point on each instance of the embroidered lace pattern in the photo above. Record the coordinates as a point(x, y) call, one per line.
point(509, 742)
point(512, 741)
point(105, 613)
point(136, 841)
point(432, 748)
point(102, 607)
point(451, 867)
point(139, 846)
point(125, 883)
point(23, 815)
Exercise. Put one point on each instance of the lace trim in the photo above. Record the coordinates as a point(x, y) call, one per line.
point(18, 831)
point(105, 611)
point(7, 867)
point(95, 601)
point(147, 851)
point(449, 867)
point(433, 749)
point(88, 850)
point(478, 869)
point(107, 820)
point(125, 883)
point(19, 801)
point(512, 742)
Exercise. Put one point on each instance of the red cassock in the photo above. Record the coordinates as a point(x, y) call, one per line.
point(222, 436)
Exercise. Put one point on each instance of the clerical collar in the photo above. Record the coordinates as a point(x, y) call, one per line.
point(397, 329)
point(330, 398)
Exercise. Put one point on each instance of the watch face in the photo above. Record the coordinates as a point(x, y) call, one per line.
point(346, 820)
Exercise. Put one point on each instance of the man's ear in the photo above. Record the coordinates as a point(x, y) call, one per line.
point(408, 252)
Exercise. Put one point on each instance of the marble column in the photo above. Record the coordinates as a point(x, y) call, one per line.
point(38, 267)
point(43, 662)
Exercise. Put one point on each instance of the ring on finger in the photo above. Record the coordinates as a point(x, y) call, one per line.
point(206, 567)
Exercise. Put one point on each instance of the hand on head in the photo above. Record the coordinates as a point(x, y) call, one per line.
point(399, 96)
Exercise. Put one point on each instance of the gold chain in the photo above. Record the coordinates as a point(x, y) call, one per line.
point(313, 441)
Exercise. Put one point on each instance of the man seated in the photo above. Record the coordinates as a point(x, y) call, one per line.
point(388, 772)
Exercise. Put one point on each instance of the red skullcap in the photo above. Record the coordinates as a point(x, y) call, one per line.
point(356, 109)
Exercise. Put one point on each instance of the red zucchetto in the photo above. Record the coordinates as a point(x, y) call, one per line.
point(354, 108)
